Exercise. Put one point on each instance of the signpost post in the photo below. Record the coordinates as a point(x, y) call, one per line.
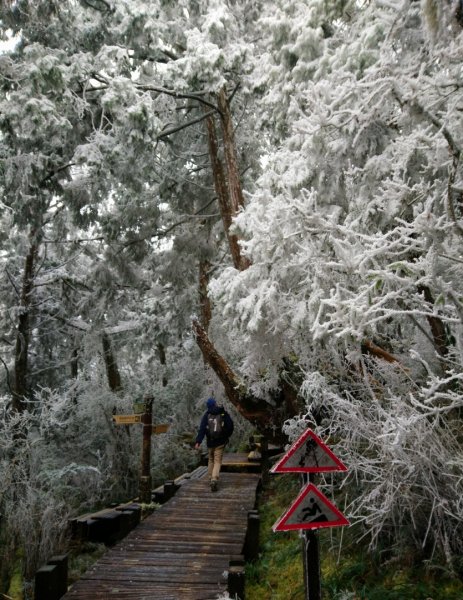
point(144, 489)
point(146, 419)
point(311, 510)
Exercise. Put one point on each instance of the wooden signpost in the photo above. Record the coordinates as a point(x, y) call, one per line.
point(311, 510)
point(160, 428)
point(146, 419)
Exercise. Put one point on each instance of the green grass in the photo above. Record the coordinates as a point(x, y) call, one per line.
point(277, 574)
point(354, 574)
point(81, 557)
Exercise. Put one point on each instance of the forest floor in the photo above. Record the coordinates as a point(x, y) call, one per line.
point(352, 573)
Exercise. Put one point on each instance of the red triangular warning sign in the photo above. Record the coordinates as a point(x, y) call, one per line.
point(310, 510)
point(308, 455)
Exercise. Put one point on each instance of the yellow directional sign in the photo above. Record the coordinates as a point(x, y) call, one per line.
point(160, 428)
point(126, 419)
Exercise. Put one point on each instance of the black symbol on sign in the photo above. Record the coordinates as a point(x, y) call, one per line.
point(313, 513)
point(310, 454)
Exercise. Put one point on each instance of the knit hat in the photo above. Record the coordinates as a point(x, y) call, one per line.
point(211, 403)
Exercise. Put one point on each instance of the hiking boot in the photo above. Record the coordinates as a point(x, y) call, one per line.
point(214, 485)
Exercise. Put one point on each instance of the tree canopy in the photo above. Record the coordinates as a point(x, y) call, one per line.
point(261, 200)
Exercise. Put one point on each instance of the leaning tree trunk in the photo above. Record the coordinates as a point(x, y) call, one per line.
point(267, 418)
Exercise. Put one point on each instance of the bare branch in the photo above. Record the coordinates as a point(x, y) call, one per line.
point(235, 89)
point(75, 241)
point(55, 172)
point(13, 283)
point(164, 232)
point(8, 380)
point(196, 96)
point(99, 5)
point(375, 350)
point(173, 130)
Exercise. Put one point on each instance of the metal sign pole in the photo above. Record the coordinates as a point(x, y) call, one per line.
point(311, 560)
point(311, 557)
point(311, 510)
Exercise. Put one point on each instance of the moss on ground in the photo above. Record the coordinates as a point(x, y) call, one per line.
point(16, 583)
point(15, 591)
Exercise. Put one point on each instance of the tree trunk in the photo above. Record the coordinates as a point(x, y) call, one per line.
point(163, 361)
point(204, 300)
point(21, 364)
point(74, 372)
point(112, 371)
point(231, 160)
point(221, 189)
point(121, 467)
point(438, 330)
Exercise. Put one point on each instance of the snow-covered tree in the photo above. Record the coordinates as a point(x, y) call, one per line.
point(289, 172)
point(354, 238)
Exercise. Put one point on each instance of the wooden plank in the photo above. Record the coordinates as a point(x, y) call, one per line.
point(147, 591)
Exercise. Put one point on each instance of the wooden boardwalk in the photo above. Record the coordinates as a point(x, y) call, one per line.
point(180, 552)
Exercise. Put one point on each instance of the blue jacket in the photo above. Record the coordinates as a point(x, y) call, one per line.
point(228, 428)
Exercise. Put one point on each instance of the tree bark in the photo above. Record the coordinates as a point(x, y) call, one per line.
point(375, 350)
point(231, 160)
point(221, 189)
point(112, 370)
point(21, 364)
point(438, 330)
point(75, 363)
point(163, 361)
point(204, 300)
point(74, 372)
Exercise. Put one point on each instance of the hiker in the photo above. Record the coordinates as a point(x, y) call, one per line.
point(217, 425)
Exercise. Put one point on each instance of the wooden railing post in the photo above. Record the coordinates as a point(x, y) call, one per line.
point(265, 461)
point(61, 562)
point(251, 544)
point(235, 581)
point(51, 580)
point(169, 490)
point(45, 583)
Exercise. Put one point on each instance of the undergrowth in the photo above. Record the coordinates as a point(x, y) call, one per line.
point(349, 571)
point(81, 557)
